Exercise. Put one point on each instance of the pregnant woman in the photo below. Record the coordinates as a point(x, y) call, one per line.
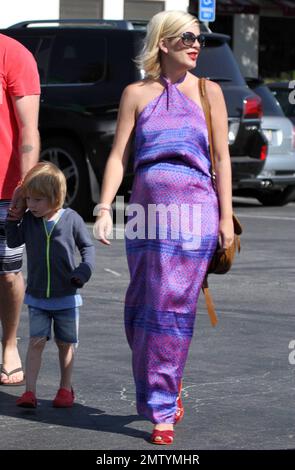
point(169, 257)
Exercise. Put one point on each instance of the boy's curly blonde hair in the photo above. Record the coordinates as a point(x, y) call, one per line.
point(46, 180)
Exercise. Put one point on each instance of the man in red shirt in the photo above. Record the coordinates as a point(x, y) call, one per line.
point(19, 151)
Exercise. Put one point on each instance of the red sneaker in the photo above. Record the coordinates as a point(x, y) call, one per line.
point(64, 398)
point(27, 400)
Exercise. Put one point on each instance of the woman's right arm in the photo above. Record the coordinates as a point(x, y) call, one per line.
point(117, 161)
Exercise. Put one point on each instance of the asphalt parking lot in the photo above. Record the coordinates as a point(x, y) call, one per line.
point(239, 387)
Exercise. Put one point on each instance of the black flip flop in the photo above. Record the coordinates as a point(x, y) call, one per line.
point(8, 374)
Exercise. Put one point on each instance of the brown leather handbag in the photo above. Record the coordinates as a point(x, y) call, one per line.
point(222, 260)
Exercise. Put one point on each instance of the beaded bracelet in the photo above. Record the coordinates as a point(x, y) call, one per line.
point(101, 207)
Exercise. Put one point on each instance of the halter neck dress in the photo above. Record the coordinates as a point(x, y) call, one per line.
point(172, 167)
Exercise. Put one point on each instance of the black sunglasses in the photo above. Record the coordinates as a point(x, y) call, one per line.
point(189, 39)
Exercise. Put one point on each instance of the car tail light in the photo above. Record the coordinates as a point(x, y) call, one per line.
point(263, 152)
point(293, 137)
point(252, 107)
point(233, 127)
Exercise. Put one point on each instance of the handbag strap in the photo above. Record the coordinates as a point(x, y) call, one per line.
point(207, 112)
point(209, 302)
point(206, 108)
point(237, 226)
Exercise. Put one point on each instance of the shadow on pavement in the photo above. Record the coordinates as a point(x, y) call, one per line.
point(79, 417)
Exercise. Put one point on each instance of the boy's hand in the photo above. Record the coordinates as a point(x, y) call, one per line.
point(17, 206)
point(76, 282)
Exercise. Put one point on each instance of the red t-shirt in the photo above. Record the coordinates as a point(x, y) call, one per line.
point(18, 77)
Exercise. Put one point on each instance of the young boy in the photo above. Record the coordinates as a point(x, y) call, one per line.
point(51, 235)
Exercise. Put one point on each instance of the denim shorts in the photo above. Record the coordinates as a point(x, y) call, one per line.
point(65, 324)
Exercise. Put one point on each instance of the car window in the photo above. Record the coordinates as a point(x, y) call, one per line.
point(216, 61)
point(42, 58)
point(29, 42)
point(270, 105)
point(282, 95)
point(76, 60)
point(39, 47)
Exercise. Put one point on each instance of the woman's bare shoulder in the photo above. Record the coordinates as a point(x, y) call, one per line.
point(213, 89)
point(216, 99)
point(140, 93)
point(131, 95)
point(138, 89)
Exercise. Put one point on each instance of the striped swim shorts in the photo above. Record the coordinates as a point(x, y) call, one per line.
point(10, 258)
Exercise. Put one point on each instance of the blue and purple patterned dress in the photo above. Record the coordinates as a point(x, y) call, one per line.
point(172, 166)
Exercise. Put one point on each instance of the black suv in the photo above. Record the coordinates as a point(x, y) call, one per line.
point(247, 143)
point(84, 66)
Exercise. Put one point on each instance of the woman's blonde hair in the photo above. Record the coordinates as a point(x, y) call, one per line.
point(46, 180)
point(162, 25)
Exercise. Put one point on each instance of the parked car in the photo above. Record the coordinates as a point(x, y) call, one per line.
point(84, 66)
point(247, 145)
point(285, 94)
point(275, 184)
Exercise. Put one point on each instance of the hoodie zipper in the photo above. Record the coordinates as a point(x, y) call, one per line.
point(48, 236)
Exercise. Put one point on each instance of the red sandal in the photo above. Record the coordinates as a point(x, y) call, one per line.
point(162, 437)
point(27, 400)
point(179, 406)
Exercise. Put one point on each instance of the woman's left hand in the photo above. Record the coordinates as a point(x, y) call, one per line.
point(226, 233)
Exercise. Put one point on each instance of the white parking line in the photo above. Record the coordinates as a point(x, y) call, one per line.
point(112, 272)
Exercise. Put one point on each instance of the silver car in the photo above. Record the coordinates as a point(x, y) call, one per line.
point(282, 92)
point(275, 184)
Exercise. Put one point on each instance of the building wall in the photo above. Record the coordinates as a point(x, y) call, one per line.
point(145, 9)
point(14, 11)
point(113, 9)
point(246, 42)
point(142, 10)
point(81, 9)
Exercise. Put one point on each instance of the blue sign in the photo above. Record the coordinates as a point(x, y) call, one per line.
point(207, 10)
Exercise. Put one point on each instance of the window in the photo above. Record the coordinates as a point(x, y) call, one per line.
point(80, 9)
point(276, 56)
point(282, 95)
point(42, 57)
point(217, 62)
point(39, 47)
point(29, 42)
point(142, 9)
point(270, 105)
point(77, 59)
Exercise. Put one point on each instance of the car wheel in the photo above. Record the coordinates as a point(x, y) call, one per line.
point(67, 155)
point(276, 198)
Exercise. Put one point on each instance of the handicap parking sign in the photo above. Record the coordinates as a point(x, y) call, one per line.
point(207, 10)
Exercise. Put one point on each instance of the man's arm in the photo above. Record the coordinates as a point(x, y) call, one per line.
point(26, 109)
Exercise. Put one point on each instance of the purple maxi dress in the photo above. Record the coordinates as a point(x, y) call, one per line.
point(172, 166)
